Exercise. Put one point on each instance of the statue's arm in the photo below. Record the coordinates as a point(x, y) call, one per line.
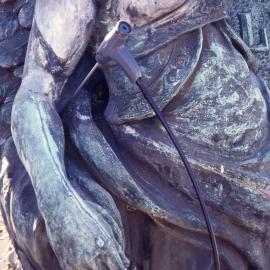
point(80, 236)
point(59, 35)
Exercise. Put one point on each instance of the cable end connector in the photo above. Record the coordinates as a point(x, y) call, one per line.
point(113, 48)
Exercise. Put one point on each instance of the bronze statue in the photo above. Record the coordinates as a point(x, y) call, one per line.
point(109, 192)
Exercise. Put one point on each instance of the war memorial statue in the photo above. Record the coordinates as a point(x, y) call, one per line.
point(97, 184)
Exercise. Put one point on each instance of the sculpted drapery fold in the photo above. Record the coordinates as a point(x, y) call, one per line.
point(107, 190)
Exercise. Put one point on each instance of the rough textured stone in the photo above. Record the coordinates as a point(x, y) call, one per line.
point(8, 257)
point(26, 14)
point(8, 23)
point(17, 4)
point(8, 84)
point(259, 11)
point(13, 49)
point(18, 72)
point(8, 88)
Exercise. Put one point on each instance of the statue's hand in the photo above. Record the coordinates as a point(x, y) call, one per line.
point(82, 238)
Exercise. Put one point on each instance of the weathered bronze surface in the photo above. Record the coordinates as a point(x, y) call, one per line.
point(99, 185)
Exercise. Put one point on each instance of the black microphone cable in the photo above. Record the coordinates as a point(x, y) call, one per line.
point(181, 153)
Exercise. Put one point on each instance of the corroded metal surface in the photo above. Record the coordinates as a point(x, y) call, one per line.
point(104, 191)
